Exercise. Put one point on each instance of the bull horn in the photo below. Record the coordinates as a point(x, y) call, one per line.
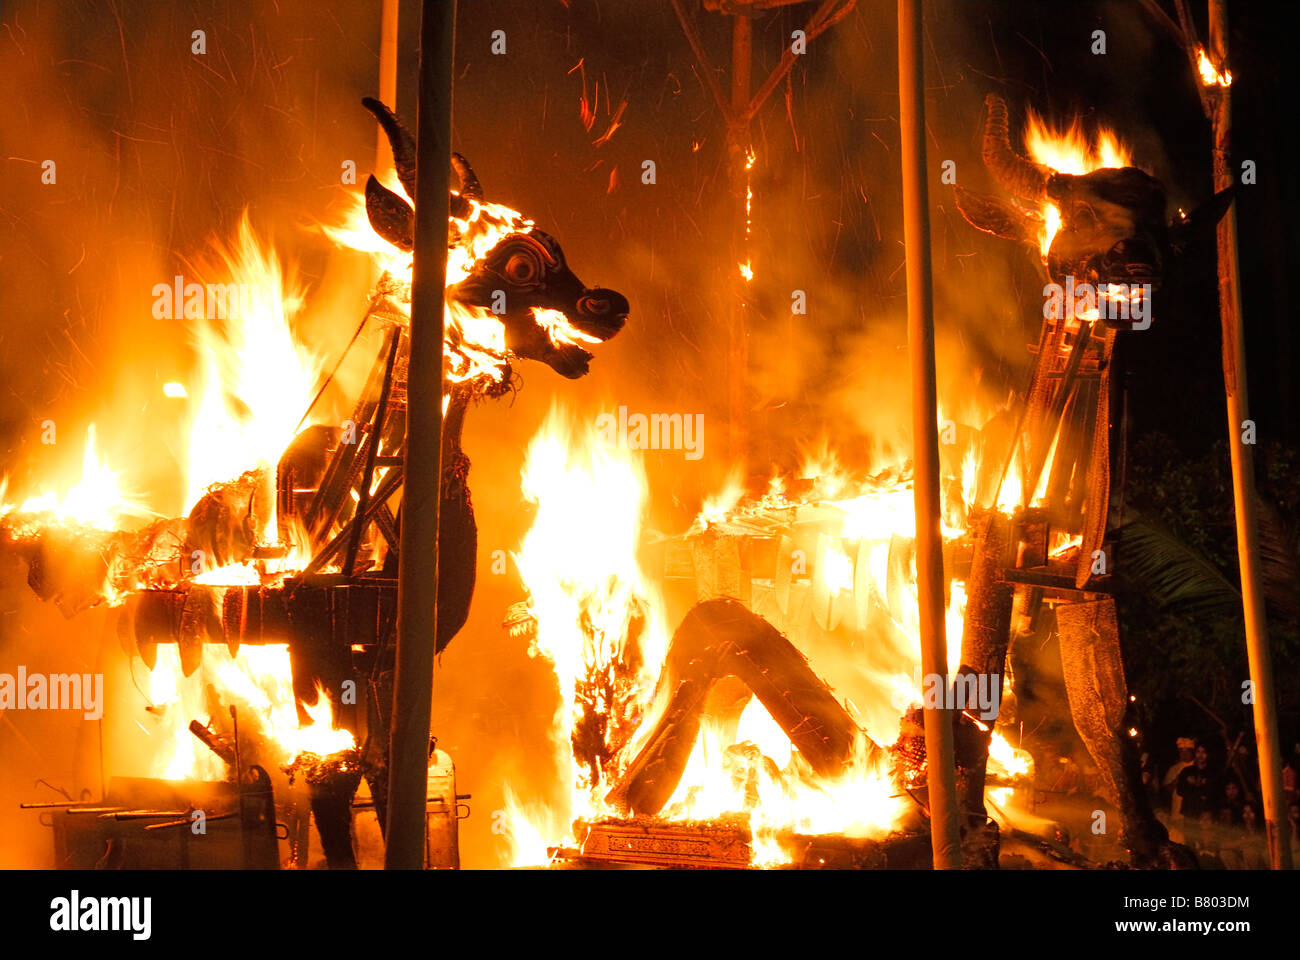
point(469, 185)
point(1018, 175)
point(400, 139)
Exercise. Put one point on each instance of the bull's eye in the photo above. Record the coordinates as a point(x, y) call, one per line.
point(522, 268)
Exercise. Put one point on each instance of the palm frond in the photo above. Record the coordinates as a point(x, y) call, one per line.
point(1176, 574)
point(1279, 560)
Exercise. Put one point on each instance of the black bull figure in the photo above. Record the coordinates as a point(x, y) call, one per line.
point(524, 271)
point(528, 267)
point(530, 271)
point(1113, 228)
point(1112, 231)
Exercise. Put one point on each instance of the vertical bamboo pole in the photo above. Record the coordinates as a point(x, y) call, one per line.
point(417, 575)
point(1243, 466)
point(387, 79)
point(941, 774)
point(738, 319)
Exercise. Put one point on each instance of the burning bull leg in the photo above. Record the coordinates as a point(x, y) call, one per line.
point(331, 783)
point(1099, 704)
point(984, 640)
point(717, 639)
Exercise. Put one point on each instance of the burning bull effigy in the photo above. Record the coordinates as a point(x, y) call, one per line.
point(299, 552)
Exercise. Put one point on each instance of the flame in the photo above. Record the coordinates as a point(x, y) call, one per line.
point(1008, 761)
point(1069, 151)
point(258, 682)
point(746, 271)
point(96, 500)
point(766, 780)
point(586, 587)
point(579, 564)
point(256, 380)
point(1210, 76)
point(525, 828)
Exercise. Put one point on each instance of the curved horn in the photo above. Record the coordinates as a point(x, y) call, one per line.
point(1018, 175)
point(469, 185)
point(400, 139)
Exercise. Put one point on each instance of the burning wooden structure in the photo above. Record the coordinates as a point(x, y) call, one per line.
point(303, 553)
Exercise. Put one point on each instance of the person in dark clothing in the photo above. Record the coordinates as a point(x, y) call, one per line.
point(1198, 787)
point(1232, 802)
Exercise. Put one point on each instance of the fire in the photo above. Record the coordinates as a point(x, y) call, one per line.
point(526, 828)
point(95, 500)
point(255, 379)
point(1009, 761)
point(258, 683)
point(1210, 75)
point(1069, 151)
point(746, 271)
point(760, 775)
point(578, 562)
point(597, 619)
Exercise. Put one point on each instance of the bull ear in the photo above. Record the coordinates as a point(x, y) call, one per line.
point(1202, 221)
point(390, 215)
point(995, 216)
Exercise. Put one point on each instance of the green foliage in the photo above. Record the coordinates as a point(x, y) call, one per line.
point(1177, 564)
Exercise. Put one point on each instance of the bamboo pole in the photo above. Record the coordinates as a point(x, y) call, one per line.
point(417, 575)
point(387, 80)
point(738, 319)
point(941, 775)
point(1243, 465)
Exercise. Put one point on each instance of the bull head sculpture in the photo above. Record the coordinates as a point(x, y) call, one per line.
point(1112, 229)
point(529, 267)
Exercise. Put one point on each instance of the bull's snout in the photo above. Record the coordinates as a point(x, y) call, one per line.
point(1133, 260)
point(601, 313)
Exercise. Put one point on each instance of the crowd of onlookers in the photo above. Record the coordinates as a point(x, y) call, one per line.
point(1209, 798)
point(1214, 806)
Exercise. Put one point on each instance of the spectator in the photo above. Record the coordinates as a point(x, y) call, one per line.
point(1150, 780)
point(1233, 801)
point(1199, 791)
point(1170, 782)
point(1254, 856)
